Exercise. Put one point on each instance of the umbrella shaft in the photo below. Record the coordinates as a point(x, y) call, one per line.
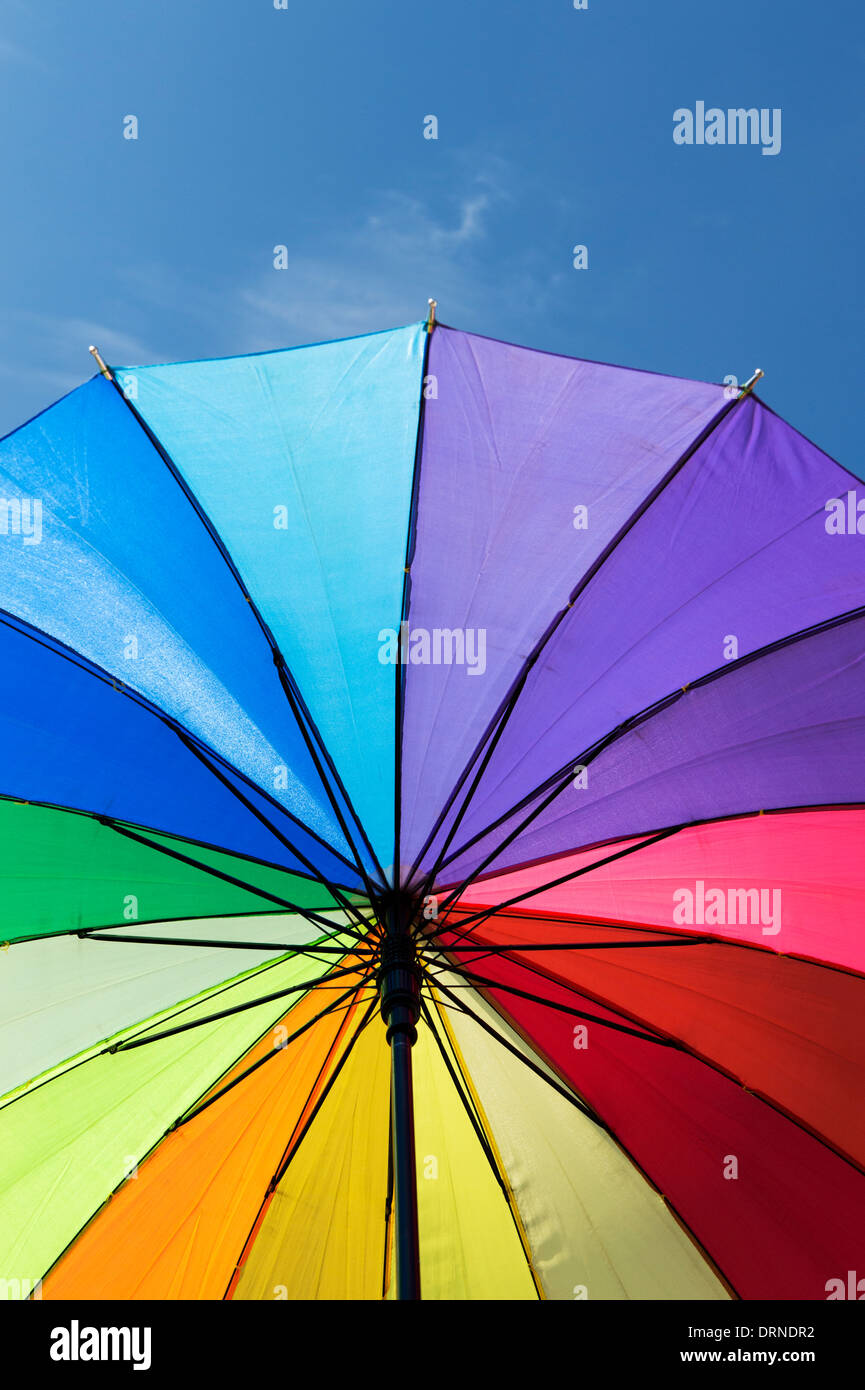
point(399, 979)
point(404, 1169)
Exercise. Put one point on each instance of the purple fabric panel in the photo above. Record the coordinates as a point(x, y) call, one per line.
point(735, 546)
point(513, 441)
point(783, 730)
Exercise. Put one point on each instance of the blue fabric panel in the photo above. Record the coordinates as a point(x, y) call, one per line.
point(102, 549)
point(70, 738)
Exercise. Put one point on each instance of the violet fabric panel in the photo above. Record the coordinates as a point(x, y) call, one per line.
point(735, 546)
point(784, 729)
point(512, 443)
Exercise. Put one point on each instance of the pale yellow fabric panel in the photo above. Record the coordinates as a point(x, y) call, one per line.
point(323, 1234)
point(470, 1246)
point(592, 1220)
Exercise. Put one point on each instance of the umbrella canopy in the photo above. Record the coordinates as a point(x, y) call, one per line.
point(463, 746)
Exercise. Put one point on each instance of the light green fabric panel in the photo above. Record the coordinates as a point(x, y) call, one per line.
point(60, 994)
point(68, 1142)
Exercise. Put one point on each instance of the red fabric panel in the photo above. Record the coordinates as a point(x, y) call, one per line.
point(785, 1028)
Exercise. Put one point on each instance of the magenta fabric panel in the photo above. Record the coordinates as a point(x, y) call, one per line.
point(817, 914)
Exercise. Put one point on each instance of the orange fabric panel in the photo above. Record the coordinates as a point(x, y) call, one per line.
point(177, 1229)
point(322, 1235)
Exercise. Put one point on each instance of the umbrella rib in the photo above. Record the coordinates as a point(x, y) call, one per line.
point(278, 658)
point(335, 892)
point(152, 1148)
point(303, 988)
point(457, 1076)
point(675, 1044)
point(288, 947)
point(326, 1089)
point(491, 910)
point(472, 981)
point(508, 705)
point(459, 1006)
point(505, 949)
point(110, 928)
point(217, 873)
point(680, 938)
point(308, 913)
point(399, 670)
point(482, 915)
point(252, 1232)
point(526, 864)
point(492, 948)
point(277, 1177)
point(293, 696)
point(91, 668)
point(193, 745)
point(514, 834)
point(345, 1001)
point(189, 840)
point(564, 774)
point(473, 1118)
point(176, 1011)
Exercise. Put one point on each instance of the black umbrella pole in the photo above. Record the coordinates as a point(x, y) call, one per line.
point(399, 982)
point(404, 1170)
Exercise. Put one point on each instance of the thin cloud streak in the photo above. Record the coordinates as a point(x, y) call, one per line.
point(383, 273)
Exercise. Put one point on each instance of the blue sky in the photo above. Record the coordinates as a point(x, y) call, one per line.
point(304, 127)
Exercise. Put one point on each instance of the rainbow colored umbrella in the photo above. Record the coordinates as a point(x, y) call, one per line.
point(432, 809)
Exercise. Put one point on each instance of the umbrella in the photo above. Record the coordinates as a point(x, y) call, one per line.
point(432, 813)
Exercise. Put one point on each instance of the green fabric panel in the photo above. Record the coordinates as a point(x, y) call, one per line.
point(64, 872)
point(68, 1142)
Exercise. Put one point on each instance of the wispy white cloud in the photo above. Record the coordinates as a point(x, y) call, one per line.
point(57, 356)
point(376, 272)
point(11, 52)
point(381, 271)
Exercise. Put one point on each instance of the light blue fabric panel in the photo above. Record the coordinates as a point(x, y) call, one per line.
point(303, 461)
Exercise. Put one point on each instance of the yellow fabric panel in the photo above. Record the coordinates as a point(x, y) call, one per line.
point(323, 1234)
point(592, 1220)
point(177, 1229)
point(470, 1245)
